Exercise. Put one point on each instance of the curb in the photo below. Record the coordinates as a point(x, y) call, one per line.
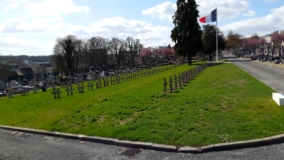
point(110, 141)
point(154, 146)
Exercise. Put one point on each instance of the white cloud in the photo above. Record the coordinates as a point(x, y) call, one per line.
point(226, 9)
point(271, 1)
point(53, 8)
point(250, 13)
point(20, 25)
point(12, 4)
point(122, 28)
point(19, 46)
point(118, 27)
point(162, 11)
point(45, 7)
point(263, 25)
point(33, 24)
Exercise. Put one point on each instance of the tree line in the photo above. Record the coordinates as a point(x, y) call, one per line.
point(236, 40)
point(71, 53)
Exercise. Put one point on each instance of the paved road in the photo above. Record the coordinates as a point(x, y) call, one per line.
point(267, 73)
point(24, 146)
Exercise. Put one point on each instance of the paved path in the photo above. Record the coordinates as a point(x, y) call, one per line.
point(24, 146)
point(267, 72)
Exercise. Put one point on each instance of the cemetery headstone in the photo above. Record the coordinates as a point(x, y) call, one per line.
point(179, 79)
point(34, 90)
point(10, 93)
point(100, 83)
point(117, 79)
point(90, 85)
point(165, 85)
point(171, 85)
point(69, 90)
point(56, 93)
point(23, 91)
point(80, 87)
point(105, 82)
point(175, 80)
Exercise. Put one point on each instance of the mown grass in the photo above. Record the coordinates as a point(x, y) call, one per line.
point(223, 104)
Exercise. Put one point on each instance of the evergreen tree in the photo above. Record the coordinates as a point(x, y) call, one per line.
point(186, 33)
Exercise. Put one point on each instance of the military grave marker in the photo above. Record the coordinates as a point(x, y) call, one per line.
point(56, 93)
point(80, 87)
point(69, 90)
point(90, 85)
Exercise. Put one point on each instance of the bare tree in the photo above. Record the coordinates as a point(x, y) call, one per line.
point(133, 47)
point(97, 51)
point(79, 60)
point(116, 47)
point(58, 60)
point(234, 40)
point(66, 47)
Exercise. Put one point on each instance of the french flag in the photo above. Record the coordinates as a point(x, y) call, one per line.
point(212, 17)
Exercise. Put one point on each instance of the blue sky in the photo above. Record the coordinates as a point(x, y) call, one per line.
point(31, 27)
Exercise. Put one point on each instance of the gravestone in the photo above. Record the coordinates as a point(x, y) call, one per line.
point(179, 79)
point(117, 79)
point(175, 80)
point(112, 82)
point(165, 85)
point(10, 93)
point(34, 90)
point(98, 83)
point(90, 85)
point(183, 77)
point(23, 91)
point(171, 85)
point(187, 75)
point(105, 82)
point(80, 87)
point(56, 93)
point(69, 90)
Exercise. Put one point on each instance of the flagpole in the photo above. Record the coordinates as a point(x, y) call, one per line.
point(216, 39)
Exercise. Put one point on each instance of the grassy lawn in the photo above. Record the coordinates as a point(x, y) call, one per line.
point(223, 104)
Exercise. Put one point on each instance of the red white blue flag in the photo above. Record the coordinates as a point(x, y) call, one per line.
point(212, 17)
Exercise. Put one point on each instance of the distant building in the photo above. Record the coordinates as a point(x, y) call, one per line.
point(12, 66)
point(268, 36)
point(42, 67)
point(27, 72)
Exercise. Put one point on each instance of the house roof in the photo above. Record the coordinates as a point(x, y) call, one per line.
point(19, 73)
point(26, 70)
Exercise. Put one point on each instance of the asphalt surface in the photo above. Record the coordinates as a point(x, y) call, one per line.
point(21, 145)
point(25, 146)
point(270, 74)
